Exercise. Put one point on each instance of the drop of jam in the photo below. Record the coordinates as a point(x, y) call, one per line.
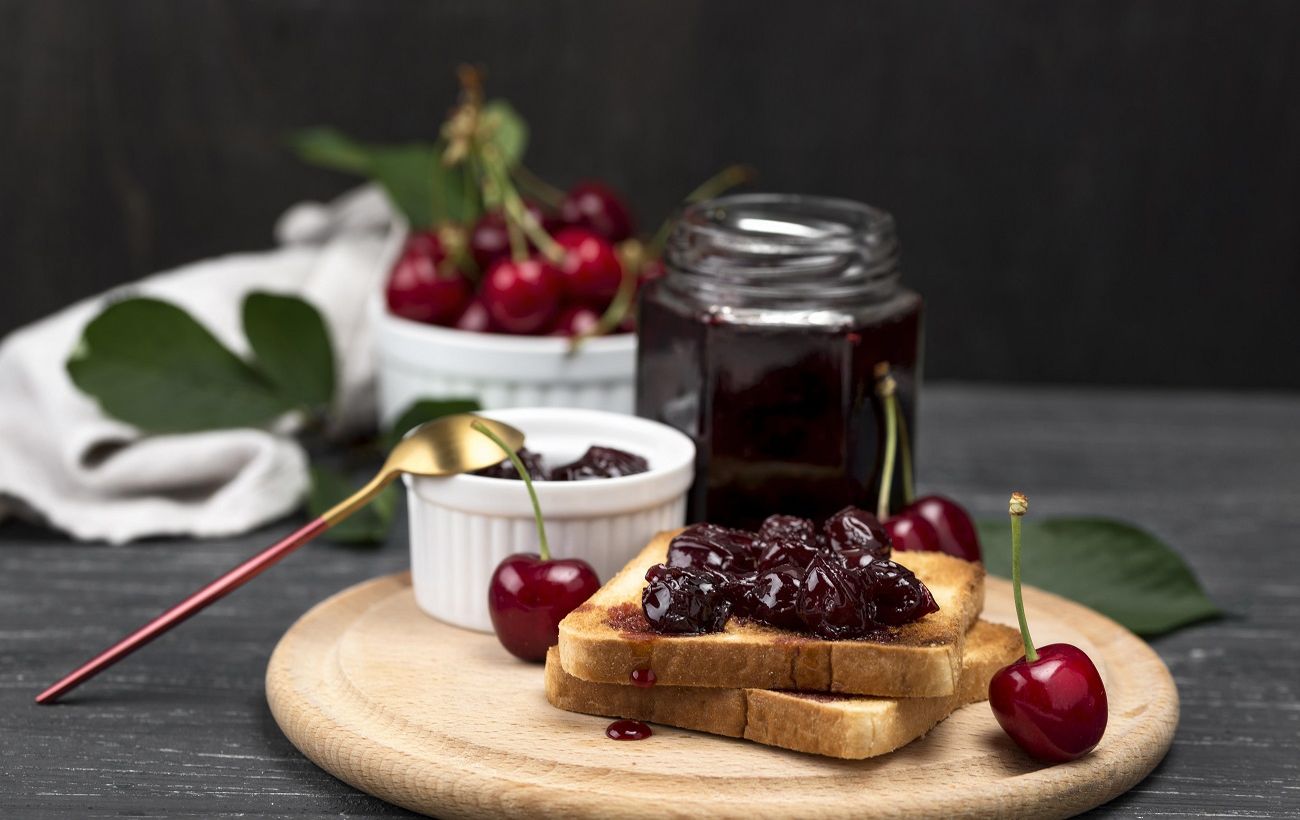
point(627, 730)
point(645, 678)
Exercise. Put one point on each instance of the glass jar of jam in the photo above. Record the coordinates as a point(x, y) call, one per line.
point(762, 342)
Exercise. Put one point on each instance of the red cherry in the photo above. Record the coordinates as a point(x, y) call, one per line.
point(422, 287)
point(489, 240)
point(528, 597)
point(591, 269)
point(909, 532)
point(475, 317)
point(1051, 702)
point(425, 242)
point(522, 297)
point(575, 321)
point(595, 206)
point(1054, 707)
point(952, 525)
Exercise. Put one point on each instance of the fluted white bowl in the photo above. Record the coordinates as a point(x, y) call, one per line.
point(463, 526)
point(419, 361)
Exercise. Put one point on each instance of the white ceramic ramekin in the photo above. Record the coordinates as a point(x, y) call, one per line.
point(462, 526)
point(418, 361)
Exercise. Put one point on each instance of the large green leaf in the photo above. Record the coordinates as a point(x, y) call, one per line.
point(1112, 567)
point(413, 175)
point(426, 410)
point(150, 364)
point(368, 525)
point(331, 149)
point(292, 346)
point(456, 195)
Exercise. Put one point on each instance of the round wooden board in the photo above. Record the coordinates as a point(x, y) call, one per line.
point(443, 721)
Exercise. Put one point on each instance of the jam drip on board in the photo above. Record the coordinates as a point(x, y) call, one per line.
point(835, 581)
point(627, 730)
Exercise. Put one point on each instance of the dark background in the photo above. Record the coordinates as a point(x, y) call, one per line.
point(1103, 192)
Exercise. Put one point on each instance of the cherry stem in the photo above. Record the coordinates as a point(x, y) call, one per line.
point(1018, 507)
point(538, 187)
point(497, 193)
point(518, 248)
point(724, 180)
point(459, 259)
point(544, 548)
point(886, 388)
point(518, 213)
point(519, 222)
point(905, 451)
point(613, 315)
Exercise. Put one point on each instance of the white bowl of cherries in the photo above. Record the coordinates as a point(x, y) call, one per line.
point(606, 483)
point(524, 307)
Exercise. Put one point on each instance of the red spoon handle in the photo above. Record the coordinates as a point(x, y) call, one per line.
point(200, 599)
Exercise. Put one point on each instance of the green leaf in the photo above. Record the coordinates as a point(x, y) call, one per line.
point(413, 176)
point(331, 149)
point(427, 410)
point(292, 346)
point(506, 130)
point(1112, 567)
point(368, 525)
point(150, 364)
point(456, 195)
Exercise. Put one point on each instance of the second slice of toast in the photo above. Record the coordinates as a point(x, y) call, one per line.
point(846, 726)
point(608, 637)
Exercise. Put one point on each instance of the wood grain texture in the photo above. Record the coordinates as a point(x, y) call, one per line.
point(182, 729)
point(444, 721)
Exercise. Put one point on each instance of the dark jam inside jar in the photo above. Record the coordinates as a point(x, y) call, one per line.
point(762, 343)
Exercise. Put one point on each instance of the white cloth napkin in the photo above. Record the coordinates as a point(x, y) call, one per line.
point(62, 460)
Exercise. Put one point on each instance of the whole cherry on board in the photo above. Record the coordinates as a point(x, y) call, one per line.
point(909, 532)
point(954, 530)
point(530, 594)
point(1051, 702)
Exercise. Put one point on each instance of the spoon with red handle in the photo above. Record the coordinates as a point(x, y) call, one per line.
point(443, 447)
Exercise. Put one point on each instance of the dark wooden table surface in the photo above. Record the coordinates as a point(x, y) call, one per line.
point(182, 729)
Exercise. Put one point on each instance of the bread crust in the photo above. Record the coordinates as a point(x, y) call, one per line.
point(845, 726)
point(606, 638)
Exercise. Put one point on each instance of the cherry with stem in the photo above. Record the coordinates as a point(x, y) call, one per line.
point(530, 594)
point(625, 297)
point(929, 523)
point(1051, 702)
point(908, 531)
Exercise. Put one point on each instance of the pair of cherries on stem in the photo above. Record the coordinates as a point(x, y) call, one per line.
point(1051, 702)
point(530, 594)
point(929, 524)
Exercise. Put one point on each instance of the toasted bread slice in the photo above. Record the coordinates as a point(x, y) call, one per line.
point(607, 637)
point(847, 726)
